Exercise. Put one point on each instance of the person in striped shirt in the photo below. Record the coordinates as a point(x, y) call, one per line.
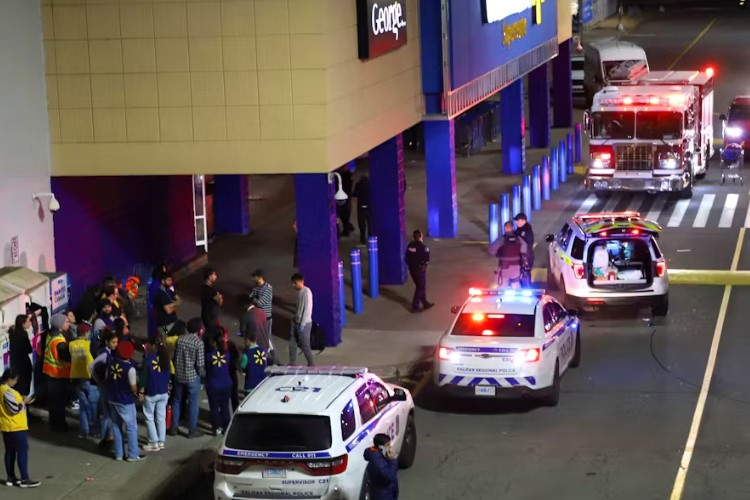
point(262, 296)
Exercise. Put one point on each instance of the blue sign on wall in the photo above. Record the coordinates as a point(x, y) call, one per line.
point(478, 47)
point(587, 11)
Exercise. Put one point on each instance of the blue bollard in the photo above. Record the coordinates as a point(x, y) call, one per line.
point(515, 200)
point(545, 178)
point(342, 294)
point(554, 171)
point(578, 144)
point(562, 162)
point(569, 153)
point(494, 215)
point(356, 282)
point(536, 187)
point(526, 196)
point(372, 255)
point(504, 211)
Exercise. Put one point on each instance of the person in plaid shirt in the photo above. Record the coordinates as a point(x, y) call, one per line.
point(190, 366)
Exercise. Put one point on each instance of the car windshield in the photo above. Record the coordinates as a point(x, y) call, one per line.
point(494, 325)
point(619, 70)
point(663, 125)
point(739, 113)
point(613, 124)
point(279, 432)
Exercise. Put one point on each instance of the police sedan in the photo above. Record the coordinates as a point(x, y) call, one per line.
point(508, 343)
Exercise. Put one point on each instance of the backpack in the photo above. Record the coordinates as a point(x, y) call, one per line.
point(317, 338)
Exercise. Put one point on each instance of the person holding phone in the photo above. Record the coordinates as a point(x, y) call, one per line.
point(382, 469)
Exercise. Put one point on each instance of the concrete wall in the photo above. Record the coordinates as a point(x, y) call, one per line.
point(219, 86)
point(24, 137)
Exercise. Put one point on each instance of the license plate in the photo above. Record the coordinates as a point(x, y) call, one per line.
point(484, 390)
point(274, 473)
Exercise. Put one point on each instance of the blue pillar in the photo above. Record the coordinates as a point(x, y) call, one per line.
point(372, 266)
point(569, 154)
point(442, 206)
point(578, 144)
point(318, 250)
point(536, 187)
point(554, 170)
point(526, 190)
point(539, 122)
point(562, 161)
point(356, 262)
point(546, 180)
point(562, 87)
point(388, 210)
point(494, 213)
point(513, 128)
point(231, 207)
point(504, 211)
point(515, 201)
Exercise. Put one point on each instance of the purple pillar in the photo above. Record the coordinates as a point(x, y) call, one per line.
point(388, 209)
point(231, 206)
point(562, 86)
point(513, 128)
point(318, 250)
point(539, 122)
point(442, 206)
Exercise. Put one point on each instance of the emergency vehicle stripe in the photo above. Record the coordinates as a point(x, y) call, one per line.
point(441, 377)
point(727, 215)
point(531, 380)
point(494, 381)
point(587, 204)
point(456, 380)
point(475, 381)
point(704, 210)
point(678, 213)
point(512, 381)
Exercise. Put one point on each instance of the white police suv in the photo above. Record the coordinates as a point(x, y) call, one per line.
point(303, 431)
point(506, 342)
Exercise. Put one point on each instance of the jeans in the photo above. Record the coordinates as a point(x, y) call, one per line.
point(300, 334)
point(193, 390)
point(88, 399)
point(16, 449)
point(124, 416)
point(273, 358)
point(105, 420)
point(218, 403)
point(58, 398)
point(155, 412)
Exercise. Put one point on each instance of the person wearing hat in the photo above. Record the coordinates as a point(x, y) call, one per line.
point(122, 389)
point(80, 377)
point(56, 366)
point(382, 469)
point(526, 233)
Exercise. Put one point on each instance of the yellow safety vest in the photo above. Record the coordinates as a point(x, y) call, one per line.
point(8, 422)
point(80, 359)
point(53, 365)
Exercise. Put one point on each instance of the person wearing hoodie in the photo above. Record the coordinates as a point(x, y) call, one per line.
point(382, 469)
point(57, 367)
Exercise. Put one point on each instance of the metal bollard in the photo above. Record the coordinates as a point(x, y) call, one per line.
point(372, 256)
point(515, 200)
point(342, 294)
point(578, 143)
point(494, 214)
point(526, 196)
point(562, 162)
point(545, 178)
point(536, 187)
point(554, 171)
point(569, 153)
point(356, 282)
point(504, 211)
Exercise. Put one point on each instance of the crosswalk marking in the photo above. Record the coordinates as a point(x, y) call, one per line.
point(612, 203)
point(656, 208)
point(747, 217)
point(704, 210)
point(587, 204)
point(678, 213)
point(635, 204)
point(727, 215)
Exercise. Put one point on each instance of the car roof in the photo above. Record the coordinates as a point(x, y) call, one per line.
point(741, 100)
point(618, 50)
point(593, 224)
point(269, 396)
point(505, 301)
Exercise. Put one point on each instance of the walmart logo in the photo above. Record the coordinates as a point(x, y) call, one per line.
point(218, 359)
point(155, 365)
point(260, 357)
point(116, 372)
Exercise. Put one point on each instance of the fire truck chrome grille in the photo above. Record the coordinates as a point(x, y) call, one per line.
point(634, 157)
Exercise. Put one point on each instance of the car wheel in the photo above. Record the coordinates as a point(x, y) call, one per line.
point(577, 352)
point(365, 492)
point(409, 446)
point(553, 394)
point(551, 283)
point(663, 308)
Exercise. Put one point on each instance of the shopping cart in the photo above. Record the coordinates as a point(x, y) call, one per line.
point(732, 161)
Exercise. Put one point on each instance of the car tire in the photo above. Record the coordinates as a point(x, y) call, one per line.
point(576, 361)
point(553, 392)
point(365, 491)
point(409, 445)
point(663, 308)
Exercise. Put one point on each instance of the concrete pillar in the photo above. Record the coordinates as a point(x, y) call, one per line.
point(231, 204)
point(318, 251)
point(442, 206)
point(562, 86)
point(539, 122)
point(387, 209)
point(513, 128)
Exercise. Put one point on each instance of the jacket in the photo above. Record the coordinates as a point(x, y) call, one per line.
point(511, 250)
point(80, 359)
point(55, 352)
point(254, 320)
point(12, 410)
point(383, 474)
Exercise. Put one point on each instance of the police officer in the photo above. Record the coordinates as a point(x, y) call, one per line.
point(526, 233)
point(510, 256)
point(417, 257)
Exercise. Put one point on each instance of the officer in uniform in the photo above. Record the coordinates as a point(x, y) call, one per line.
point(417, 257)
point(526, 233)
point(510, 256)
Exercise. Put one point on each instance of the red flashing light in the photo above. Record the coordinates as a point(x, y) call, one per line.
point(635, 232)
point(488, 333)
point(627, 101)
point(676, 100)
point(578, 271)
point(477, 317)
point(661, 269)
point(603, 234)
point(654, 100)
point(710, 71)
point(474, 292)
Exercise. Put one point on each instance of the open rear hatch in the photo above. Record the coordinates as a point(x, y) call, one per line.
point(620, 262)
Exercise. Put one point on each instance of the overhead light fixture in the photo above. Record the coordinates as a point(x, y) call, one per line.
point(340, 194)
point(53, 206)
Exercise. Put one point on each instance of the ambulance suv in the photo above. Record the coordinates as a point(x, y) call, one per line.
point(303, 431)
point(508, 343)
point(604, 259)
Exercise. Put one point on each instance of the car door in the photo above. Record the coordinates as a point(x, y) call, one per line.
point(565, 340)
point(388, 410)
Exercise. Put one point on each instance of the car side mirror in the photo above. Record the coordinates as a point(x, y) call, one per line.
point(572, 312)
point(723, 117)
point(549, 238)
point(398, 395)
point(454, 309)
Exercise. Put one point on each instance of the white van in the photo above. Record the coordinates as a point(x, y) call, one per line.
point(608, 62)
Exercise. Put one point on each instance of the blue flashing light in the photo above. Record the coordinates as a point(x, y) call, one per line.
point(526, 293)
point(506, 293)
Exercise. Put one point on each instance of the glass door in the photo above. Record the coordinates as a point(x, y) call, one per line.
point(199, 211)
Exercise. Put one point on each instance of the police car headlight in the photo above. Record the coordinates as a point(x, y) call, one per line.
point(733, 131)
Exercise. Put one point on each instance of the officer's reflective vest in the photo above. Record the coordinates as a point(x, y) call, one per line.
point(53, 365)
point(509, 253)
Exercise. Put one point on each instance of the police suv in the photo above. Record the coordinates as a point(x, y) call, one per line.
point(609, 258)
point(506, 342)
point(303, 431)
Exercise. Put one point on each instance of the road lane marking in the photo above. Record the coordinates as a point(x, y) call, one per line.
point(635, 203)
point(678, 213)
point(656, 208)
point(704, 210)
point(730, 206)
point(612, 203)
point(422, 384)
point(697, 39)
point(700, 407)
point(747, 217)
point(589, 202)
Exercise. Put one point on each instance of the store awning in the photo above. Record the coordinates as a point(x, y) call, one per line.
point(22, 278)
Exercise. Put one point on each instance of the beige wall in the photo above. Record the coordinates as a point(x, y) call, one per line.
point(219, 86)
point(564, 20)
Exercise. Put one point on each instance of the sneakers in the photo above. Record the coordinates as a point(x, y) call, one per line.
point(194, 434)
point(218, 432)
point(173, 431)
point(28, 483)
point(160, 444)
point(151, 447)
point(136, 459)
point(11, 482)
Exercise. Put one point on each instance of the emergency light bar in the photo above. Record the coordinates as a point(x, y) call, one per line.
point(644, 100)
point(500, 292)
point(608, 215)
point(346, 371)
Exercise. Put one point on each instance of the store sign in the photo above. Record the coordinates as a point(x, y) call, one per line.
point(59, 292)
point(381, 26)
point(498, 10)
point(514, 31)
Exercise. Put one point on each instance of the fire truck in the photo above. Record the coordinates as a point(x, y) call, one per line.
point(653, 133)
